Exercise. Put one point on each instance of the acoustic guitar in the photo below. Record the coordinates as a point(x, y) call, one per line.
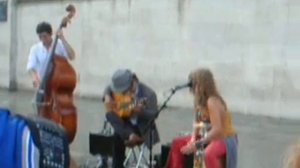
point(124, 104)
point(199, 154)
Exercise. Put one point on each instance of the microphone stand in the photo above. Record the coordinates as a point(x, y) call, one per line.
point(150, 124)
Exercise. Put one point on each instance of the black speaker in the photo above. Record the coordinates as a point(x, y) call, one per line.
point(189, 161)
point(101, 144)
point(165, 149)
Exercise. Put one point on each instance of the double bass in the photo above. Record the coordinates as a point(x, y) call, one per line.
point(54, 97)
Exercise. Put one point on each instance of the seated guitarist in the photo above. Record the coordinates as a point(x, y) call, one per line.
point(128, 115)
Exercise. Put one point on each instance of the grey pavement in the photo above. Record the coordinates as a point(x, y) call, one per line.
point(262, 140)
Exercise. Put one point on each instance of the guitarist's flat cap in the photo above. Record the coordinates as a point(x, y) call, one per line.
point(121, 80)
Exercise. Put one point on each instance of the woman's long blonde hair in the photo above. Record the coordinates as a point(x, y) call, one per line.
point(292, 158)
point(203, 80)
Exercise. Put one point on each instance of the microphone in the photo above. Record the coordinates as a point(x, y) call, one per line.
point(182, 86)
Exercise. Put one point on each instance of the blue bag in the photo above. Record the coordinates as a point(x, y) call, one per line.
point(31, 142)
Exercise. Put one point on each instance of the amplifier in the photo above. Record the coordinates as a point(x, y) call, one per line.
point(101, 144)
point(165, 149)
